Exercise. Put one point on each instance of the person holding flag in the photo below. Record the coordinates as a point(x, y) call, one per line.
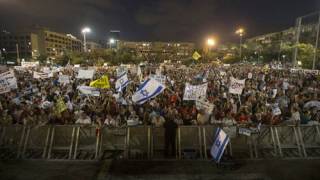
point(147, 90)
point(122, 82)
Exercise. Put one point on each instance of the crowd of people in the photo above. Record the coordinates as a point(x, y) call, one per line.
point(38, 101)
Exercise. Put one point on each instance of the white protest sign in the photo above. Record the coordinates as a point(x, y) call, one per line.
point(7, 82)
point(40, 75)
point(160, 78)
point(4, 85)
point(205, 105)
point(77, 66)
point(274, 93)
point(87, 90)
point(305, 71)
point(19, 68)
point(285, 85)
point(46, 70)
point(85, 74)
point(29, 64)
point(236, 86)
point(222, 73)
point(310, 71)
point(3, 68)
point(64, 79)
point(195, 92)
point(245, 131)
point(275, 109)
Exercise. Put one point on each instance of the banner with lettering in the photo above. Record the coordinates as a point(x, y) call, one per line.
point(236, 86)
point(195, 92)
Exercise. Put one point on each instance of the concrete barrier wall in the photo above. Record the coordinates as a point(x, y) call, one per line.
point(83, 142)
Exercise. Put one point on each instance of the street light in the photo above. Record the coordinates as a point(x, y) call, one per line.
point(211, 42)
point(240, 32)
point(4, 55)
point(111, 41)
point(84, 32)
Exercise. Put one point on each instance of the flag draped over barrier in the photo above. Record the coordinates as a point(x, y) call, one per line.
point(122, 82)
point(147, 90)
point(102, 83)
point(220, 143)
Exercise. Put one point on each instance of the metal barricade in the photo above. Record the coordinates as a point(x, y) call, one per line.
point(208, 133)
point(157, 143)
point(310, 140)
point(265, 143)
point(11, 141)
point(241, 146)
point(139, 142)
point(61, 142)
point(36, 142)
point(190, 141)
point(113, 140)
point(86, 143)
point(288, 142)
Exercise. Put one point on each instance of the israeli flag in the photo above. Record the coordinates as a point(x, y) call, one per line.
point(147, 90)
point(220, 143)
point(122, 82)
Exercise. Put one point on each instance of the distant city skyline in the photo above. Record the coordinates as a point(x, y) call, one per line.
point(165, 20)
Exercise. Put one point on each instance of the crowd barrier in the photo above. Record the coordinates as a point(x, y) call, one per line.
point(75, 142)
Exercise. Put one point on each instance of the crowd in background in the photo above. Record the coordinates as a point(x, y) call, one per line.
point(36, 101)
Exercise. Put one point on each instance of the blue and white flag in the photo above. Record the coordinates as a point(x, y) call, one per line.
point(122, 82)
point(220, 143)
point(147, 90)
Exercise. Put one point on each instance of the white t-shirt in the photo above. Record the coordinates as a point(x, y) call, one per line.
point(85, 120)
point(295, 116)
point(158, 122)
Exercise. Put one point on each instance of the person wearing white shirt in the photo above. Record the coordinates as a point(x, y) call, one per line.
point(83, 119)
point(158, 121)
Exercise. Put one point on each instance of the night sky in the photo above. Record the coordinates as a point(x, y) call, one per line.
point(165, 20)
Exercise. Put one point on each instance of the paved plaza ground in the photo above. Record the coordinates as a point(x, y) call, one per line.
point(158, 169)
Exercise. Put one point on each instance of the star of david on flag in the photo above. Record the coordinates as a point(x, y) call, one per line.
point(147, 90)
point(220, 143)
point(122, 82)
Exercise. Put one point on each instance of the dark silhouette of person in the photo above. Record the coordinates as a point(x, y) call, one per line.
point(170, 137)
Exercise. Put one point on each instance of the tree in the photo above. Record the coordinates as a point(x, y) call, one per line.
point(42, 58)
point(305, 55)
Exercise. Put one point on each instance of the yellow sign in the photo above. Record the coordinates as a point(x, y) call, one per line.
point(266, 68)
point(102, 83)
point(60, 106)
point(196, 56)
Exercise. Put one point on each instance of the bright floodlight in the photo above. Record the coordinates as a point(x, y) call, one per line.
point(299, 63)
point(211, 42)
point(240, 31)
point(86, 30)
point(112, 41)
